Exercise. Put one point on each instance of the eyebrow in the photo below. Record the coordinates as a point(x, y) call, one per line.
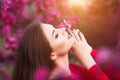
point(53, 32)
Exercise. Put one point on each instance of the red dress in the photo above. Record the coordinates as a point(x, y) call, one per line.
point(80, 73)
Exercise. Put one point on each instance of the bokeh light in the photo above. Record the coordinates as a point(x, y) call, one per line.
point(99, 20)
point(79, 3)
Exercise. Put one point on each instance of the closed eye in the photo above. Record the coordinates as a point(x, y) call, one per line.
point(56, 35)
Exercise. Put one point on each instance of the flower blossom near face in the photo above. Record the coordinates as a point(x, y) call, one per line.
point(65, 24)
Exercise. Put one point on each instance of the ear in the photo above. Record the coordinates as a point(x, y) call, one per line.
point(53, 56)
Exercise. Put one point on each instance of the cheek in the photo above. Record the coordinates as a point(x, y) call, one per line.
point(62, 47)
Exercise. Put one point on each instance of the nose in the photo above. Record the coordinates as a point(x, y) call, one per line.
point(63, 29)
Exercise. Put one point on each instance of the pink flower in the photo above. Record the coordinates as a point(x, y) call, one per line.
point(64, 24)
point(104, 54)
point(73, 19)
point(11, 43)
point(9, 18)
point(41, 74)
point(6, 4)
point(5, 74)
point(6, 30)
point(10, 57)
point(19, 34)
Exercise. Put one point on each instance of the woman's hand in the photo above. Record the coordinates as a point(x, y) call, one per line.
point(81, 49)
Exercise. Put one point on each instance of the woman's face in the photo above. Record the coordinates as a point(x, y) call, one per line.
point(59, 39)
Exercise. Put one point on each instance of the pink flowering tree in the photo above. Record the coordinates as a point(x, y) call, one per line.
point(99, 20)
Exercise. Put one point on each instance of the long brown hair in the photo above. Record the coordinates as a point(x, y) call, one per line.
point(33, 52)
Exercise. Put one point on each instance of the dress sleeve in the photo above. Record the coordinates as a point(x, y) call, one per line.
point(97, 73)
point(94, 54)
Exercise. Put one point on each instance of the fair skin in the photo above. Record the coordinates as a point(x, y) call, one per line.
point(61, 42)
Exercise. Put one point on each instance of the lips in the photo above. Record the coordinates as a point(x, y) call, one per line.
point(68, 32)
point(69, 36)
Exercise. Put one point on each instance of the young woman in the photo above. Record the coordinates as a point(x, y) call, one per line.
point(43, 45)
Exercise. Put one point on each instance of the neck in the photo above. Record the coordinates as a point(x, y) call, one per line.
point(62, 67)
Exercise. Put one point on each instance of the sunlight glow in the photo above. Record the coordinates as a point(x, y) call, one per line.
point(78, 3)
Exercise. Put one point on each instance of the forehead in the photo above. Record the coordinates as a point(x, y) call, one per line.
point(47, 26)
point(47, 30)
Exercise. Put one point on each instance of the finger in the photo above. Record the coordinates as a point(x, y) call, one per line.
point(79, 34)
point(75, 32)
point(82, 37)
point(73, 35)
